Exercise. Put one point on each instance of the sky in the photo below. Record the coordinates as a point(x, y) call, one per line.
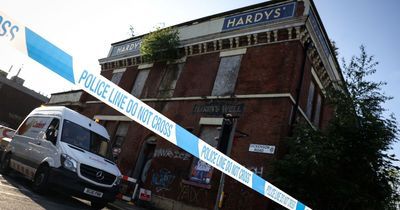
point(86, 28)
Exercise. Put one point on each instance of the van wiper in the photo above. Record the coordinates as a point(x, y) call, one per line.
point(77, 148)
point(109, 161)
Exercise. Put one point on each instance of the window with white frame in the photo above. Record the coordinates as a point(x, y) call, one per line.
point(317, 113)
point(314, 104)
point(310, 100)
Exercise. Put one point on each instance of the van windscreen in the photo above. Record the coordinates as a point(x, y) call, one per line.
point(85, 139)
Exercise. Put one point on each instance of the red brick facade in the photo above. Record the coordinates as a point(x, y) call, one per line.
point(273, 64)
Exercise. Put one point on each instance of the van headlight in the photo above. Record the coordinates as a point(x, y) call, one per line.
point(68, 162)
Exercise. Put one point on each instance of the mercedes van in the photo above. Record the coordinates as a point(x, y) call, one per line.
point(60, 148)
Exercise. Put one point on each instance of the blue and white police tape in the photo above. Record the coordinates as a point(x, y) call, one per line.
point(47, 54)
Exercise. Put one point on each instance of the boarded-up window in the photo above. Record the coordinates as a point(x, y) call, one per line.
point(200, 171)
point(209, 134)
point(228, 71)
point(117, 75)
point(120, 135)
point(310, 99)
point(139, 82)
point(169, 80)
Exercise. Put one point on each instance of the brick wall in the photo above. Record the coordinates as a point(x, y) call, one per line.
point(15, 105)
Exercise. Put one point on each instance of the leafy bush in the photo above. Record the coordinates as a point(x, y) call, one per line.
point(161, 44)
point(347, 165)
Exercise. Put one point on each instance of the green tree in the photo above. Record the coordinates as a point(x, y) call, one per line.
point(345, 166)
point(161, 44)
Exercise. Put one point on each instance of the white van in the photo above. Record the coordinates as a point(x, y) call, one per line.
point(58, 147)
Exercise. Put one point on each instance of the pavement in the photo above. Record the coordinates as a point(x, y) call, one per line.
point(122, 205)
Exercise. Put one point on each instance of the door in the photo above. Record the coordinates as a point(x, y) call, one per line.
point(144, 161)
point(44, 145)
point(27, 142)
point(20, 142)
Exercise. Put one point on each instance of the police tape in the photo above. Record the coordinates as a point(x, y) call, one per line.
point(6, 132)
point(130, 198)
point(128, 179)
point(63, 64)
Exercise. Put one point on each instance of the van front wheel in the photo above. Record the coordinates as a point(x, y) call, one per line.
point(39, 184)
point(98, 205)
point(5, 164)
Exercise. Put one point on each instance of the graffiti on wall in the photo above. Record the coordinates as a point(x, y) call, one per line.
point(239, 199)
point(169, 153)
point(162, 179)
point(194, 195)
point(244, 200)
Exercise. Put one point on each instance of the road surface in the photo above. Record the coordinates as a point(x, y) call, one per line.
point(16, 193)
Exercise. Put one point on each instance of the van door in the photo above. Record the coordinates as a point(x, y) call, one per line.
point(23, 142)
point(44, 146)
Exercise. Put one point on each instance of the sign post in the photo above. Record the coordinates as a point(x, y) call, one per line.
point(39, 49)
point(229, 123)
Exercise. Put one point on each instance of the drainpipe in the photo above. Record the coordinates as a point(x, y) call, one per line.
point(307, 45)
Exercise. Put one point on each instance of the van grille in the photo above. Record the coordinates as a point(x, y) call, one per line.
point(97, 175)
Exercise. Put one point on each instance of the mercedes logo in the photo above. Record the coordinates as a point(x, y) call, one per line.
point(100, 175)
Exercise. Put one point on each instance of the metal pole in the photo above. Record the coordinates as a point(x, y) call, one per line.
point(135, 191)
point(220, 193)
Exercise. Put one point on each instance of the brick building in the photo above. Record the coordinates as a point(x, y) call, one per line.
point(16, 100)
point(73, 99)
point(268, 64)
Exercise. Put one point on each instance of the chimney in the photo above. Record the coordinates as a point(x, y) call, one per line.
point(17, 80)
point(3, 73)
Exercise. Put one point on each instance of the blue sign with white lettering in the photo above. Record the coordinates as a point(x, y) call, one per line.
point(259, 16)
point(132, 47)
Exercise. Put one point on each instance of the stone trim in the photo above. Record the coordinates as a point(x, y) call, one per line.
point(145, 66)
point(232, 42)
point(119, 70)
point(233, 52)
point(112, 118)
point(197, 98)
point(211, 121)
